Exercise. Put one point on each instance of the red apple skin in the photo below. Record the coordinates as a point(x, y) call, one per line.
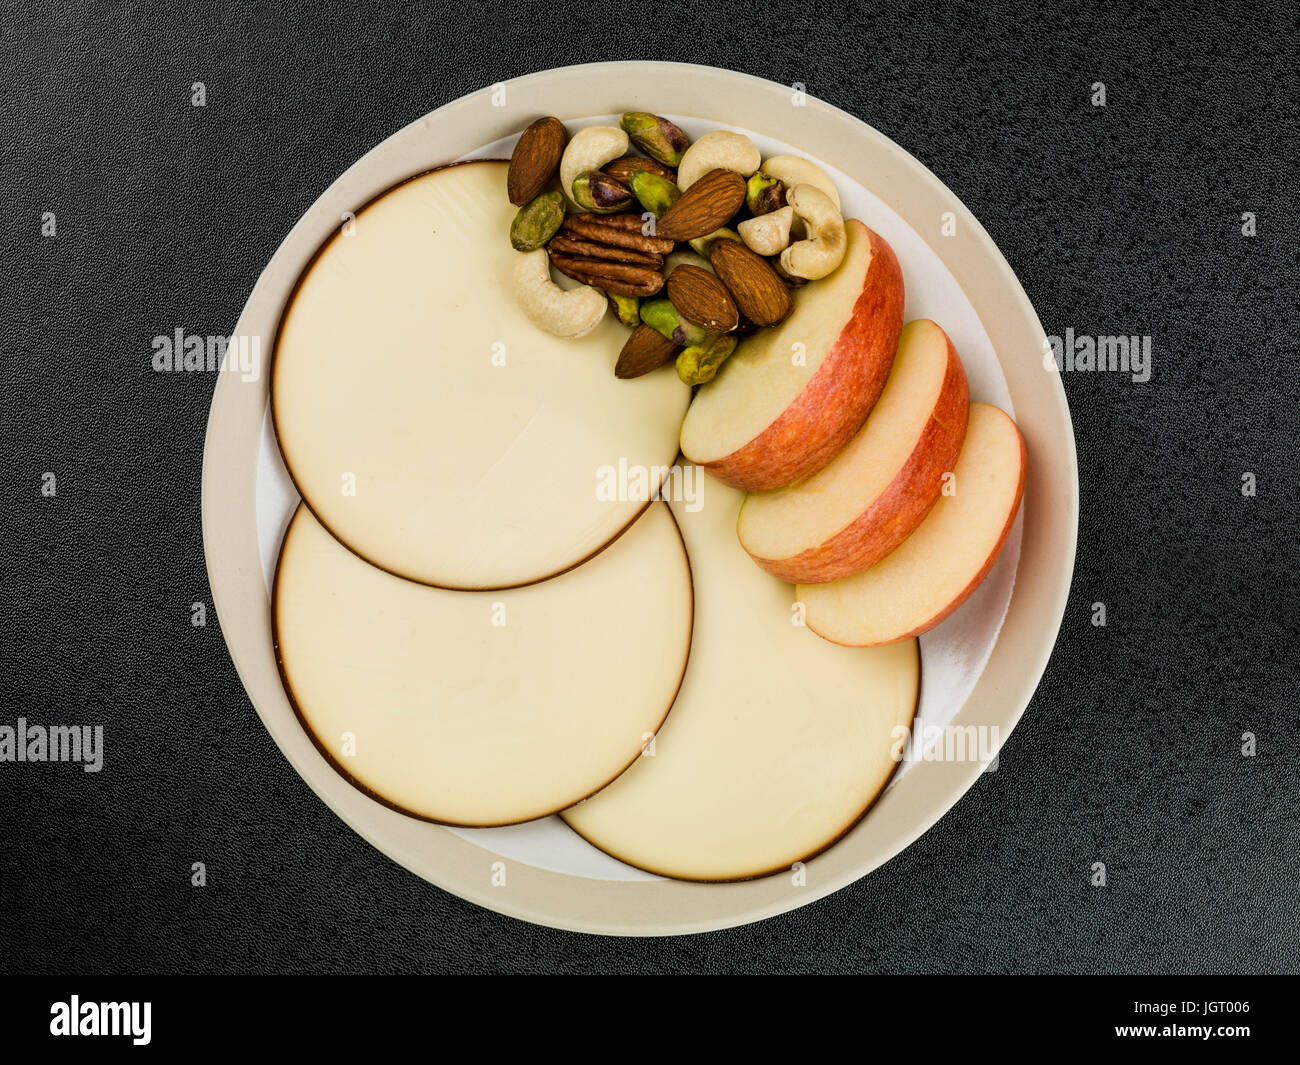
point(966, 592)
point(898, 510)
point(836, 401)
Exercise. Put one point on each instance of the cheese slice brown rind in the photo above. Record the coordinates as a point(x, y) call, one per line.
point(483, 708)
point(431, 426)
point(777, 743)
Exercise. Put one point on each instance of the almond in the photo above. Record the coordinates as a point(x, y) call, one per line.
point(703, 299)
point(707, 205)
point(536, 160)
point(644, 351)
point(755, 286)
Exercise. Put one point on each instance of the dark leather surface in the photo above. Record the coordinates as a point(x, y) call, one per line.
point(1118, 220)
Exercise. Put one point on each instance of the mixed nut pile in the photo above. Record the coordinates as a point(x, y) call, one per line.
point(690, 245)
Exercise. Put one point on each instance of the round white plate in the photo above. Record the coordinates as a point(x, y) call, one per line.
point(979, 668)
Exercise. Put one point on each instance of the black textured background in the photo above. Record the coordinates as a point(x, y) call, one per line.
point(1122, 219)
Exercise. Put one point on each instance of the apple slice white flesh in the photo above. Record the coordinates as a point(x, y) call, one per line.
point(429, 424)
point(777, 743)
point(933, 571)
point(475, 708)
point(870, 497)
point(792, 396)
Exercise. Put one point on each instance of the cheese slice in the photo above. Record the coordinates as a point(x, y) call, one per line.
point(483, 708)
point(431, 426)
point(777, 743)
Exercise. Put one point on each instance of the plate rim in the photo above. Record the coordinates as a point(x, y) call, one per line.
point(928, 791)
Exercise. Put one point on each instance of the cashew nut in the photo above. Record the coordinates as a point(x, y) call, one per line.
point(570, 313)
point(823, 249)
point(767, 234)
point(791, 170)
point(719, 150)
point(590, 149)
point(685, 258)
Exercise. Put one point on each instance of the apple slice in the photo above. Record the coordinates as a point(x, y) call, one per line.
point(483, 708)
point(933, 571)
point(777, 743)
point(857, 509)
point(792, 396)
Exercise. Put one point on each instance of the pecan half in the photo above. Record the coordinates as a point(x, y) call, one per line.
point(625, 279)
point(623, 169)
point(571, 244)
point(621, 230)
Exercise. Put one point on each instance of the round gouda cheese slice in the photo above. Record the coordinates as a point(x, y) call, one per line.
point(778, 741)
point(434, 429)
point(483, 708)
